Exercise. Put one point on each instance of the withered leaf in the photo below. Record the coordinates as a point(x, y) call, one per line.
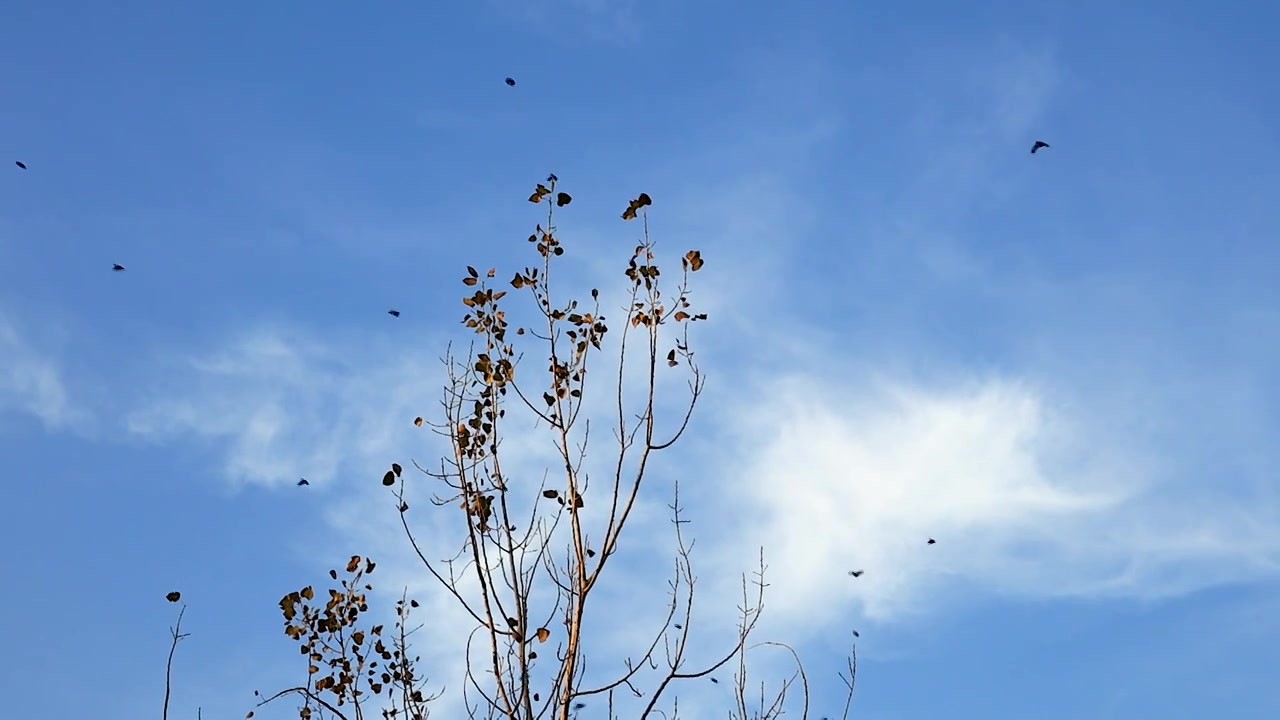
point(543, 634)
point(469, 281)
point(355, 563)
point(174, 596)
point(308, 592)
point(395, 468)
point(550, 494)
point(389, 479)
point(563, 199)
point(694, 260)
point(417, 422)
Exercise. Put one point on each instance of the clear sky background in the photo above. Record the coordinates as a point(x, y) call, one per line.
point(1062, 366)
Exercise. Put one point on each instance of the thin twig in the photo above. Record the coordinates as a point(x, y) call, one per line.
point(176, 632)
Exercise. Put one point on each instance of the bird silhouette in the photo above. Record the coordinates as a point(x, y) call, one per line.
point(856, 573)
point(303, 481)
point(20, 164)
point(1039, 144)
point(931, 541)
point(855, 634)
point(393, 313)
point(117, 267)
point(511, 82)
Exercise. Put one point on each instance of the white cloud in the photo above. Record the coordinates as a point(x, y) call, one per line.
point(289, 405)
point(32, 381)
point(838, 476)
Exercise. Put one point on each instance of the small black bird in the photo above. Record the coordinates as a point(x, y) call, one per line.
point(931, 541)
point(715, 681)
point(855, 634)
point(20, 164)
point(1039, 144)
point(393, 313)
point(117, 267)
point(856, 573)
point(511, 82)
point(303, 481)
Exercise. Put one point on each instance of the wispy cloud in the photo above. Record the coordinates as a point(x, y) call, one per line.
point(32, 381)
point(1021, 498)
point(601, 21)
point(286, 403)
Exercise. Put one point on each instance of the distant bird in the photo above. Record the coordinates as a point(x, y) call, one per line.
point(510, 82)
point(393, 313)
point(20, 164)
point(855, 634)
point(715, 681)
point(117, 267)
point(303, 481)
point(1039, 144)
point(931, 541)
point(856, 573)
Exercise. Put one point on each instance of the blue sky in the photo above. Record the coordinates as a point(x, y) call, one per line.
point(1061, 366)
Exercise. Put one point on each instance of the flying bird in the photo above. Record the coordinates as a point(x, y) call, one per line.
point(1039, 144)
point(856, 573)
point(393, 313)
point(303, 481)
point(931, 541)
point(20, 164)
point(510, 82)
point(855, 634)
point(117, 267)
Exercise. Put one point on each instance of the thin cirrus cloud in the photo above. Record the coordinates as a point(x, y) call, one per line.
point(32, 381)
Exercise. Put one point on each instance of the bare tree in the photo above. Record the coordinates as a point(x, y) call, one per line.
point(530, 557)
